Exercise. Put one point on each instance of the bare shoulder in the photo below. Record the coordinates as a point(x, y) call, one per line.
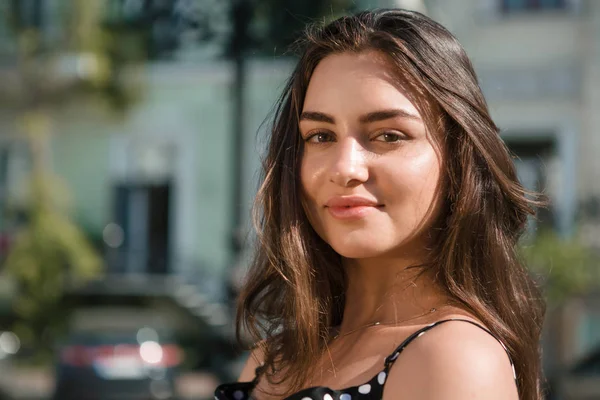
point(255, 359)
point(454, 360)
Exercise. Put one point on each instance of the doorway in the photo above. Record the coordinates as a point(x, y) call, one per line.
point(142, 213)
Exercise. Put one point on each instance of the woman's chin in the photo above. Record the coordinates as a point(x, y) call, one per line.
point(359, 250)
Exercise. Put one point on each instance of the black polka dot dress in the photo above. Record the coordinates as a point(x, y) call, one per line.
point(372, 389)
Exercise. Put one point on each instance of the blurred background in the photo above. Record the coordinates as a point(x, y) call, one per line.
point(130, 142)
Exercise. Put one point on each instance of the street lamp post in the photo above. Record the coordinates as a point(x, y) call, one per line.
point(241, 13)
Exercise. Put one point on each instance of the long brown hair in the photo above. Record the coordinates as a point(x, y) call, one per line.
point(295, 288)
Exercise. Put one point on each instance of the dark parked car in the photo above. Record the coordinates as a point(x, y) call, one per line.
point(101, 365)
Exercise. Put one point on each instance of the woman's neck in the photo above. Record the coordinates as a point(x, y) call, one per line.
point(387, 291)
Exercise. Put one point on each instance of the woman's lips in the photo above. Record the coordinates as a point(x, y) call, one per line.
point(351, 207)
point(351, 212)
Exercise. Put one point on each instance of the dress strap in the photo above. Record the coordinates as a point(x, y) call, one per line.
point(389, 360)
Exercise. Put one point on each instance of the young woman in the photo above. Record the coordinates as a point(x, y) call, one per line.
point(388, 219)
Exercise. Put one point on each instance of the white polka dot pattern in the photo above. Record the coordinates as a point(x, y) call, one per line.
point(327, 397)
point(239, 395)
point(381, 377)
point(364, 389)
point(345, 396)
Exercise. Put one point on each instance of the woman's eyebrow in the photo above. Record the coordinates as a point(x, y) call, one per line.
point(387, 114)
point(317, 116)
point(374, 116)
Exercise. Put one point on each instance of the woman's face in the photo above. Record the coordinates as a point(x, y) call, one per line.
point(369, 170)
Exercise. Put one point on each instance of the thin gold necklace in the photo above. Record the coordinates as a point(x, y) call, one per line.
point(378, 323)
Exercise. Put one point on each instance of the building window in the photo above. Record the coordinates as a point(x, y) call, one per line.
point(517, 6)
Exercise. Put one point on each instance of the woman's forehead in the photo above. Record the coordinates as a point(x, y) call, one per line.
point(358, 82)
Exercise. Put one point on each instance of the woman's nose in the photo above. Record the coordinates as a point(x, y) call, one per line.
point(348, 167)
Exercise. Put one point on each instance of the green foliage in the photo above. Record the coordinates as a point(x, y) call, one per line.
point(49, 254)
point(566, 267)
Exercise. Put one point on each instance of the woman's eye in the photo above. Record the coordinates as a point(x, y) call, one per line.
point(389, 137)
point(320, 137)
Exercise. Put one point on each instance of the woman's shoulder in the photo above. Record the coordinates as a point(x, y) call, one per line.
point(453, 360)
